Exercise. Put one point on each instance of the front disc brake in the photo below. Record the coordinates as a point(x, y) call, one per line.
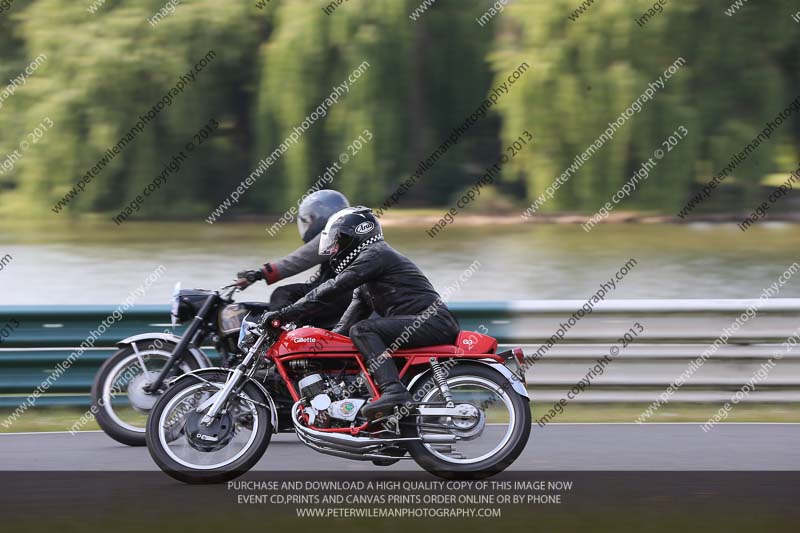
point(212, 437)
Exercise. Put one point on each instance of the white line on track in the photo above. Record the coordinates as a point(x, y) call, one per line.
point(669, 424)
point(495, 424)
point(51, 432)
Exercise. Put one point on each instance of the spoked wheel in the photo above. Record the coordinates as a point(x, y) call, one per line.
point(119, 400)
point(194, 452)
point(488, 439)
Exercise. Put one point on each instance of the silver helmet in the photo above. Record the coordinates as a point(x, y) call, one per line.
point(316, 209)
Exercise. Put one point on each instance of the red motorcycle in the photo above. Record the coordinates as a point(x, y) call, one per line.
point(469, 417)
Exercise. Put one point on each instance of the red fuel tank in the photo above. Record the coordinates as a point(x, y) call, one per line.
point(307, 339)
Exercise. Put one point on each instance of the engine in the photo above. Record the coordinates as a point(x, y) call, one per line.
point(330, 401)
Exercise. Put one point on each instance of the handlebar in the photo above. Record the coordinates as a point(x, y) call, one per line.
point(232, 288)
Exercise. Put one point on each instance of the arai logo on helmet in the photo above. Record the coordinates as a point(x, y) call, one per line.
point(365, 227)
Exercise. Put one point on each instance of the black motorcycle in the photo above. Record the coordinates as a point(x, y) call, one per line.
point(128, 384)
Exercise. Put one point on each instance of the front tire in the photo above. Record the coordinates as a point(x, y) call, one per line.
point(465, 382)
point(190, 458)
point(125, 421)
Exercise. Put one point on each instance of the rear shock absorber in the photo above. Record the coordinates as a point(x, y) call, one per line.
point(441, 381)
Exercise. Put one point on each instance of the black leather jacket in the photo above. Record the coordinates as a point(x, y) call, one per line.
point(381, 280)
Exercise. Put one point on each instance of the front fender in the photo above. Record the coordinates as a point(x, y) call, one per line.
point(518, 386)
point(213, 370)
point(197, 354)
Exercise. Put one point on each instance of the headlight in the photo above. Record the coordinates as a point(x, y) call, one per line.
point(245, 339)
point(231, 317)
point(175, 303)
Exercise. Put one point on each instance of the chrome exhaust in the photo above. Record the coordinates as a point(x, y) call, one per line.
point(352, 447)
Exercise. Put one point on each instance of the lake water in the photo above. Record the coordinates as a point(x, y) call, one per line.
point(99, 263)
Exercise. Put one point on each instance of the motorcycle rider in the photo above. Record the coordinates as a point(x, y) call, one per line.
point(411, 312)
point(312, 215)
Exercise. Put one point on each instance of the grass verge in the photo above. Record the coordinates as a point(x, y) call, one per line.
point(62, 418)
point(672, 412)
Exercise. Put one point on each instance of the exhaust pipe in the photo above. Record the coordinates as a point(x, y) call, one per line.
point(342, 442)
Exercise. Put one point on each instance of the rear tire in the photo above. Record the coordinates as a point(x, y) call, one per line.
point(113, 428)
point(490, 466)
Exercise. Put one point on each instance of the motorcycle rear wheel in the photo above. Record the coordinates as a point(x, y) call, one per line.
point(464, 381)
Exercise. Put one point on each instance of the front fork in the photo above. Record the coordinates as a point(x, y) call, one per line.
point(188, 337)
point(220, 398)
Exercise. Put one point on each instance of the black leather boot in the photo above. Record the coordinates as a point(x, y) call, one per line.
point(393, 392)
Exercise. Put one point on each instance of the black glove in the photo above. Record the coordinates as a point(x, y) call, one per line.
point(248, 277)
point(272, 319)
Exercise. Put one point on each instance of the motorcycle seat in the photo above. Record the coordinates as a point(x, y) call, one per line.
point(467, 342)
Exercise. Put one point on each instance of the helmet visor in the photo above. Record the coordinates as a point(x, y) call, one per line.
point(329, 237)
point(303, 223)
point(328, 241)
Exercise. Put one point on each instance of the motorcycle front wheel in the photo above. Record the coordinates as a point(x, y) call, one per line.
point(193, 452)
point(119, 403)
point(484, 446)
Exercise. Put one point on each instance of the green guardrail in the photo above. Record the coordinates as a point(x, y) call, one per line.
point(33, 340)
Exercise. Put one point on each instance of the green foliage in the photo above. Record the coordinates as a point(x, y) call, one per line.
point(274, 66)
point(106, 69)
point(740, 71)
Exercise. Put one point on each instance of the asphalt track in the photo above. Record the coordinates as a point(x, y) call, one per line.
point(623, 477)
point(556, 447)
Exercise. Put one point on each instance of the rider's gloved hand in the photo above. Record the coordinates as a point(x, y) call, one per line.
point(272, 319)
point(248, 277)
